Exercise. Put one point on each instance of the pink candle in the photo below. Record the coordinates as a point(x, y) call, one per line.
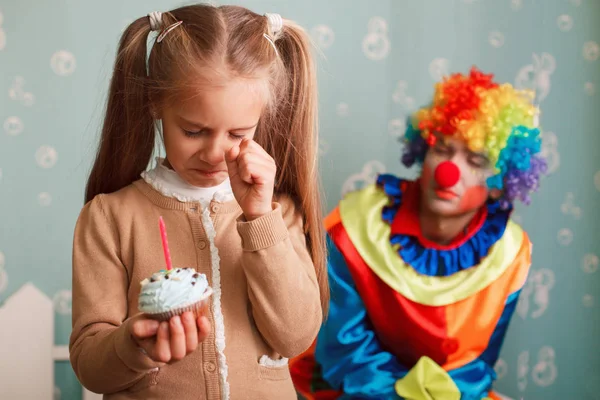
point(165, 243)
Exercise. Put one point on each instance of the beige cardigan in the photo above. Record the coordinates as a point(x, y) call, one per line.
point(265, 308)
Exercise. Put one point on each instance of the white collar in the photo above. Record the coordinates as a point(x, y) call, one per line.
point(170, 184)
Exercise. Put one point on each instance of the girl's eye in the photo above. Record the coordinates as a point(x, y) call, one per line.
point(193, 134)
point(234, 136)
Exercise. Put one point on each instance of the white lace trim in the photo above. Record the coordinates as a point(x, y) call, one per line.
point(216, 298)
point(267, 361)
point(169, 184)
point(223, 196)
point(152, 179)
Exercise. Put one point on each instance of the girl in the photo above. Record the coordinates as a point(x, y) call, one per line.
point(235, 94)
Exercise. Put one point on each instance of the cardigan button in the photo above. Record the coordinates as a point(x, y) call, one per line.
point(215, 208)
point(202, 244)
point(210, 366)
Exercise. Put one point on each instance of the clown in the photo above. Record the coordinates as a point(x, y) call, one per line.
point(425, 275)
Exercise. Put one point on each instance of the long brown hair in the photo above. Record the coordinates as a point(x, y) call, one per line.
point(211, 41)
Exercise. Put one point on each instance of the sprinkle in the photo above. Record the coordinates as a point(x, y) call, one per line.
point(145, 282)
point(176, 279)
point(166, 276)
point(193, 283)
point(195, 276)
point(178, 270)
point(152, 279)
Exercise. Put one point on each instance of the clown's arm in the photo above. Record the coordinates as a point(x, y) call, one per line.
point(348, 350)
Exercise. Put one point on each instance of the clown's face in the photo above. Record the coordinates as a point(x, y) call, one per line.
point(453, 180)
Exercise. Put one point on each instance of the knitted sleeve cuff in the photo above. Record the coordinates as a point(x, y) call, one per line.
point(263, 232)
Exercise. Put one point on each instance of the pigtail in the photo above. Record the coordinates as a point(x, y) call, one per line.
point(127, 139)
point(294, 143)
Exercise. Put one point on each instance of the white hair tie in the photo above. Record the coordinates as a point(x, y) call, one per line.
point(155, 18)
point(156, 25)
point(274, 24)
point(166, 31)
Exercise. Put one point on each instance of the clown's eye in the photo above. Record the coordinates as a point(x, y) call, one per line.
point(441, 148)
point(478, 160)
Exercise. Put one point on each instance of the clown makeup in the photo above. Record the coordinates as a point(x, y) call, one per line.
point(453, 180)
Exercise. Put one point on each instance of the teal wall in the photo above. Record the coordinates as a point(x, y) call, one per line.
point(379, 61)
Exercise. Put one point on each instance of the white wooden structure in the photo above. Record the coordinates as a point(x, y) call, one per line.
point(27, 350)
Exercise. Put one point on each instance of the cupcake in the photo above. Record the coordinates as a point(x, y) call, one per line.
point(172, 292)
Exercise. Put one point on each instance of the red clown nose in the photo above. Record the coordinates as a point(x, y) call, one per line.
point(447, 174)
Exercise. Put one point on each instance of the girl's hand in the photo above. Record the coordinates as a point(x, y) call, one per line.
point(172, 340)
point(252, 174)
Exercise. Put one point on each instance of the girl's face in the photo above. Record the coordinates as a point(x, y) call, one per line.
point(201, 127)
point(453, 180)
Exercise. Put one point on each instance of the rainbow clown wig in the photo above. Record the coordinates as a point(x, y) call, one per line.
point(497, 120)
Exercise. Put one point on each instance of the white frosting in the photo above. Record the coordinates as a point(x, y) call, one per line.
point(169, 290)
point(169, 183)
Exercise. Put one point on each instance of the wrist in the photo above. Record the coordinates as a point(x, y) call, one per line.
point(258, 213)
